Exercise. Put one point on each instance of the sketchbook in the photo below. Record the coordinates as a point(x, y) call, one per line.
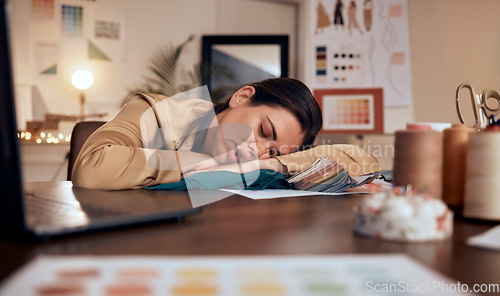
point(326, 175)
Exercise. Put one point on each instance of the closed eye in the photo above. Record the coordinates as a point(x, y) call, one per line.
point(275, 136)
point(263, 134)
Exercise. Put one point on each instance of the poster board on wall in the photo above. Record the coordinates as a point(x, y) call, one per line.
point(361, 44)
point(347, 111)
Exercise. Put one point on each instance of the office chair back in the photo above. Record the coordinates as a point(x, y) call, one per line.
point(81, 132)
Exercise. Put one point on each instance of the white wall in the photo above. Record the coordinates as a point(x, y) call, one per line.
point(151, 24)
point(452, 41)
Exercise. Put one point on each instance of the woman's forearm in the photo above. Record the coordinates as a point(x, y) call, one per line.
point(244, 167)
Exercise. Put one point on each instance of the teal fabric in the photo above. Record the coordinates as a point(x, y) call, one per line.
point(255, 180)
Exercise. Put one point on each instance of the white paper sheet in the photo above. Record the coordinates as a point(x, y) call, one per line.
point(230, 276)
point(489, 240)
point(278, 193)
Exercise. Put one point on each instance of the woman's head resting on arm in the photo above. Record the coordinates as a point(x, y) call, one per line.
point(264, 119)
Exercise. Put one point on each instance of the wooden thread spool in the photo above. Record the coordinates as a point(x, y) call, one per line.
point(482, 186)
point(418, 160)
point(454, 156)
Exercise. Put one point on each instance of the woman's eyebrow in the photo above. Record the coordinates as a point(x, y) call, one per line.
point(273, 128)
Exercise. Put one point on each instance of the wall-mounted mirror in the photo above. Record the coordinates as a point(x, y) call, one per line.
point(234, 60)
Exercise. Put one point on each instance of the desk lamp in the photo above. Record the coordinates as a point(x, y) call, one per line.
point(82, 80)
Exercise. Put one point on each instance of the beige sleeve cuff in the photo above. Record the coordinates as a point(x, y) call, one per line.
point(114, 167)
point(354, 159)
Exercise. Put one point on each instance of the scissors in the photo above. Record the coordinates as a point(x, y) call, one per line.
point(485, 106)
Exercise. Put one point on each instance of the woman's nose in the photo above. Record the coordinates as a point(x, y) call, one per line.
point(263, 149)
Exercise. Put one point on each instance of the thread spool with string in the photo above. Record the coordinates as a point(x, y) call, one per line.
point(482, 186)
point(454, 157)
point(418, 160)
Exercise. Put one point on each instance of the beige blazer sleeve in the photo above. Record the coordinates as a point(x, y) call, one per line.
point(354, 159)
point(114, 156)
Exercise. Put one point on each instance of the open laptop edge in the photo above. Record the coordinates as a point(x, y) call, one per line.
point(129, 207)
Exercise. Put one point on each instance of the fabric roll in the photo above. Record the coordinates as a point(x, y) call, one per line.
point(455, 141)
point(482, 186)
point(418, 160)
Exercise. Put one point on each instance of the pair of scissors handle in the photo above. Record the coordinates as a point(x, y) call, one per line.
point(475, 111)
point(481, 105)
point(490, 110)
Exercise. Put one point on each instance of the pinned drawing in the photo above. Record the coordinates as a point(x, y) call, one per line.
point(323, 18)
point(375, 32)
point(352, 21)
point(46, 58)
point(108, 31)
point(338, 19)
point(95, 53)
point(389, 41)
point(367, 14)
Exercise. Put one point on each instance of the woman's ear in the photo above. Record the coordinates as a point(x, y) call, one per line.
point(243, 95)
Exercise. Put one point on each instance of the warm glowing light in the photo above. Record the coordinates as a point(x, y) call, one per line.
point(44, 137)
point(82, 79)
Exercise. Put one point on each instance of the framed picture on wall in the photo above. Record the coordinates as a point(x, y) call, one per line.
point(351, 110)
point(233, 60)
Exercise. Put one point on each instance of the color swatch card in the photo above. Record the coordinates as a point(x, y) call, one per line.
point(229, 276)
point(42, 9)
point(326, 175)
point(348, 112)
point(72, 20)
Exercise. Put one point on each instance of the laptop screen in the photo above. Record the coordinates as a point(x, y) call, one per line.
point(11, 202)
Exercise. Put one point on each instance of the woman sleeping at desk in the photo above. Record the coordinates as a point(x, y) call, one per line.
point(261, 127)
point(155, 139)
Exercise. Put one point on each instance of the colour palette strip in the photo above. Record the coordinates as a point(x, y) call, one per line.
point(321, 65)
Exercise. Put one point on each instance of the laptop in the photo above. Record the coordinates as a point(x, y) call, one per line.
point(47, 209)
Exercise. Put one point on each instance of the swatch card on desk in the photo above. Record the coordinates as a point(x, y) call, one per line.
point(228, 276)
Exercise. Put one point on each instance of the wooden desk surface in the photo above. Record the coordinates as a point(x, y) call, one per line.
point(288, 226)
